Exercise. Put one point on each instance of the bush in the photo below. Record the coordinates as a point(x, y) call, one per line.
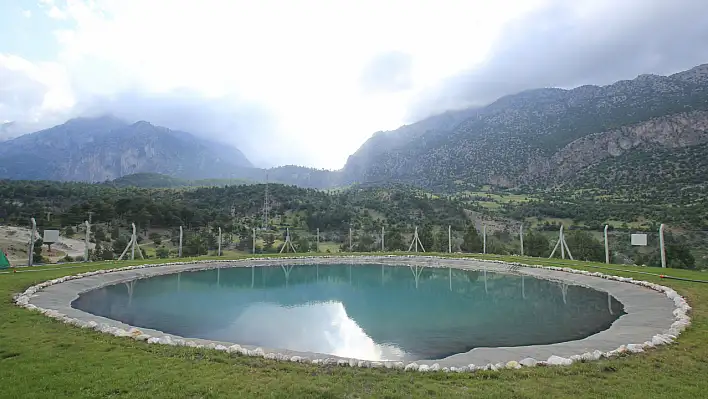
point(162, 252)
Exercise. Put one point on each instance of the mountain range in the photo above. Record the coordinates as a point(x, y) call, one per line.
point(534, 139)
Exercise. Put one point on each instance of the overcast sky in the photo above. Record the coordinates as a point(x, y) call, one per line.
point(307, 82)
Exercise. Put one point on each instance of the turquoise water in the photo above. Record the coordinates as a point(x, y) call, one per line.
point(371, 312)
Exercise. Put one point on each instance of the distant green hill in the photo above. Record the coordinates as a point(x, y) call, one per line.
point(156, 180)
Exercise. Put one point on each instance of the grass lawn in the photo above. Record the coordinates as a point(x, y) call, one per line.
point(40, 357)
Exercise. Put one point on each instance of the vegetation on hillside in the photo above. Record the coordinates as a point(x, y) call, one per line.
point(359, 211)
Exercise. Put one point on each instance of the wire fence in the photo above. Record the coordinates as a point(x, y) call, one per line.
point(682, 248)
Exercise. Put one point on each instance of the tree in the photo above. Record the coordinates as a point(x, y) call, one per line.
point(441, 242)
point(162, 252)
point(426, 237)
point(471, 242)
point(196, 244)
point(393, 241)
point(678, 254)
point(268, 242)
point(37, 254)
point(536, 244)
point(156, 238)
point(584, 246)
point(119, 245)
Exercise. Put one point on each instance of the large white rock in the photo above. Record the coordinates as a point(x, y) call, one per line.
point(558, 361)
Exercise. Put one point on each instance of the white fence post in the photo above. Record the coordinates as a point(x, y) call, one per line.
point(33, 231)
point(86, 240)
point(661, 245)
point(181, 234)
point(383, 235)
point(449, 238)
point(521, 238)
point(607, 247)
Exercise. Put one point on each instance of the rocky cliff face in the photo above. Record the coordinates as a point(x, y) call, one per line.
point(100, 149)
point(537, 136)
point(673, 131)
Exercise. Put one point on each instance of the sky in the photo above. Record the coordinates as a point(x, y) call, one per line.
point(307, 82)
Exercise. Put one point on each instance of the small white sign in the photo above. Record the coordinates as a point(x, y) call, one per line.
point(639, 239)
point(50, 236)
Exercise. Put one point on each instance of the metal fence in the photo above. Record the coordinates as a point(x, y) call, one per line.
point(660, 246)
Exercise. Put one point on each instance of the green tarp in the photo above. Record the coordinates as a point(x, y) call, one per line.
point(4, 263)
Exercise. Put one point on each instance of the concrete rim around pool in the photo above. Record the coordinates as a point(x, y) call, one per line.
point(654, 314)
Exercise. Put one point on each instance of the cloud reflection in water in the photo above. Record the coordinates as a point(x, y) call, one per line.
point(322, 327)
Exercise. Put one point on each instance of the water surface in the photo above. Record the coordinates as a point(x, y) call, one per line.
point(371, 312)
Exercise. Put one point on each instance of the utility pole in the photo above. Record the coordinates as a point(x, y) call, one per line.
point(317, 246)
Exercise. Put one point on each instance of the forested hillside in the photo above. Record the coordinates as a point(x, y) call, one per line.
point(239, 209)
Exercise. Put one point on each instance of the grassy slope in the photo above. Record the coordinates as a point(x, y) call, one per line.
point(40, 357)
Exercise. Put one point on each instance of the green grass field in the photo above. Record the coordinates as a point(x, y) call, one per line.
point(43, 358)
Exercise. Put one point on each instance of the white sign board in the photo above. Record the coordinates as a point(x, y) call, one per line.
point(639, 239)
point(50, 236)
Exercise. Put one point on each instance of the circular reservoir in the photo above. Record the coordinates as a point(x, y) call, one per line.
point(368, 312)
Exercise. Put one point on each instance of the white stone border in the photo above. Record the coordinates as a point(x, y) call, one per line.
point(681, 320)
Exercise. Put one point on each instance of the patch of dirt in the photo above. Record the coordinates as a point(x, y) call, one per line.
point(15, 242)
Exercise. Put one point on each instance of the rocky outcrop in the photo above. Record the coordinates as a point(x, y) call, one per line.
point(537, 136)
point(672, 131)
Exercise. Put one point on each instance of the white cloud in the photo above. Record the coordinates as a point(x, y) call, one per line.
point(27, 13)
point(305, 81)
point(33, 94)
point(302, 61)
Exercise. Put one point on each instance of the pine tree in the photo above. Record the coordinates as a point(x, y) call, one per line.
point(471, 242)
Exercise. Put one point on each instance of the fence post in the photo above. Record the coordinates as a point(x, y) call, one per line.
point(383, 235)
point(607, 247)
point(661, 244)
point(132, 243)
point(449, 238)
point(179, 251)
point(521, 238)
point(31, 241)
point(86, 240)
